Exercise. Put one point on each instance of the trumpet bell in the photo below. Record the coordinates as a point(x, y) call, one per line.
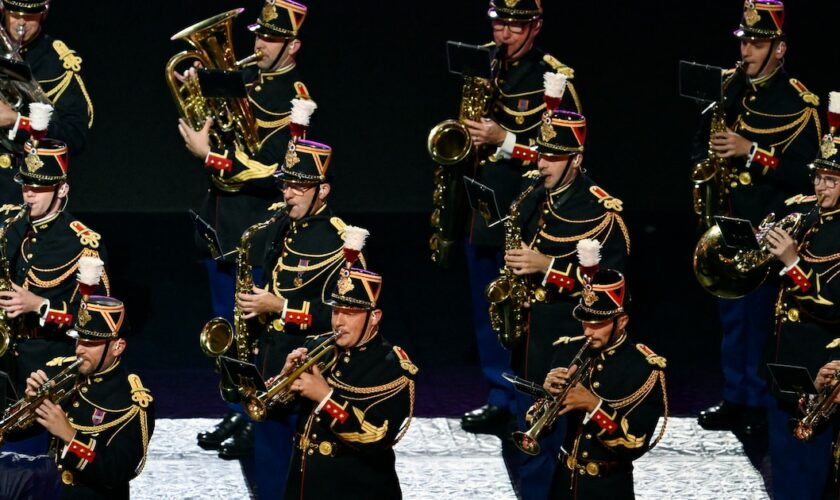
point(216, 337)
point(525, 443)
point(449, 142)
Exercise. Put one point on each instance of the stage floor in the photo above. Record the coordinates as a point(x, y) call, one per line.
point(437, 460)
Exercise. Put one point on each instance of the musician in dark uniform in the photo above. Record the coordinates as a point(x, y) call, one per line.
point(57, 69)
point(510, 129)
point(46, 253)
point(565, 210)
point(351, 418)
point(773, 133)
point(302, 266)
point(242, 190)
point(100, 434)
point(614, 409)
point(807, 321)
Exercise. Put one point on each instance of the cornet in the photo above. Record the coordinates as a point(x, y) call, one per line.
point(22, 414)
point(279, 391)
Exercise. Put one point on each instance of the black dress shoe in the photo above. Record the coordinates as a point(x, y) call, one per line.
point(724, 417)
point(212, 439)
point(487, 419)
point(240, 445)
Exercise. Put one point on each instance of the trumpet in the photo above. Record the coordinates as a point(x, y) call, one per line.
point(21, 415)
point(546, 410)
point(817, 409)
point(279, 391)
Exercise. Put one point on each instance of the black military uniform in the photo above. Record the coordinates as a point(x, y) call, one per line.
point(44, 257)
point(807, 334)
point(349, 440)
point(112, 414)
point(57, 68)
point(778, 114)
point(598, 452)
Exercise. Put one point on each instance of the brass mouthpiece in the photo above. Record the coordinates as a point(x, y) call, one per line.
point(252, 59)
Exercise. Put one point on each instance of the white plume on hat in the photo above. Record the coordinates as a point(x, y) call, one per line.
point(555, 84)
point(302, 110)
point(355, 237)
point(834, 102)
point(90, 270)
point(589, 252)
point(39, 115)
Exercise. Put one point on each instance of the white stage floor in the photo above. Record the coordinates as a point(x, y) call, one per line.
point(437, 460)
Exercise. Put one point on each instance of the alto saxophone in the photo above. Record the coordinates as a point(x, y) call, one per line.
point(218, 335)
point(8, 326)
point(817, 409)
point(22, 414)
point(711, 177)
point(545, 411)
point(508, 293)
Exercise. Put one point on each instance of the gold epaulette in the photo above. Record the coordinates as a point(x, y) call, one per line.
point(72, 62)
point(558, 66)
point(566, 339)
point(609, 202)
point(531, 174)
point(800, 198)
point(338, 224)
point(806, 95)
point(139, 394)
point(652, 357)
point(61, 360)
point(301, 91)
point(405, 363)
point(87, 236)
point(277, 206)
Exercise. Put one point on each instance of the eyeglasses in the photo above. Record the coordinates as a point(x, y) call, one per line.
point(830, 180)
point(514, 28)
point(297, 189)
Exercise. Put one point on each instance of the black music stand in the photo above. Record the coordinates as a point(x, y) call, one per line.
point(242, 374)
point(792, 379)
point(209, 235)
point(701, 82)
point(470, 60)
point(738, 234)
point(482, 199)
point(8, 395)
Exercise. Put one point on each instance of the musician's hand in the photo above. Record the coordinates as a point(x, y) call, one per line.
point(730, 144)
point(196, 141)
point(54, 420)
point(311, 385)
point(579, 398)
point(19, 300)
point(259, 301)
point(189, 73)
point(557, 378)
point(8, 116)
point(826, 375)
point(294, 357)
point(526, 260)
point(782, 246)
point(485, 131)
point(36, 379)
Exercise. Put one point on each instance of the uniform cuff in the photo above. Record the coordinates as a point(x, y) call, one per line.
point(797, 275)
point(550, 267)
point(19, 122)
point(604, 421)
point(588, 416)
point(324, 401)
point(334, 410)
point(218, 162)
point(43, 311)
point(505, 150)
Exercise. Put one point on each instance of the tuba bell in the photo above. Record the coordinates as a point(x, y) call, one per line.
point(233, 120)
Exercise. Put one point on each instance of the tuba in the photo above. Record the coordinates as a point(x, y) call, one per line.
point(8, 326)
point(544, 412)
point(257, 404)
point(449, 144)
point(730, 273)
point(817, 409)
point(233, 120)
point(218, 335)
point(22, 414)
point(508, 293)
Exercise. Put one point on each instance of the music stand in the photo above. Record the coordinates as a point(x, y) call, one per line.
point(470, 60)
point(701, 82)
point(792, 379)
point(482, 199)
point(208, 234)
point(242, 374)
point(738, 234)
point(221, 83)
point(8, 395)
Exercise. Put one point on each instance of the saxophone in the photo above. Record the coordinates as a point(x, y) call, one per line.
point(508, 293)
point(711, 177)
point(8, 326)
point(218, 335)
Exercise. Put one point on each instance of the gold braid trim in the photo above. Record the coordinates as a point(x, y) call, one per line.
point(144, 433)
point(99, 428)
point(275, 124)
point(254, 169)
point(87, 99)
point(333, 256)
point(566, 239)
point(638, 395)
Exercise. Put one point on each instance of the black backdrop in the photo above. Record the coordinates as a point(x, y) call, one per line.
point(378, 71)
